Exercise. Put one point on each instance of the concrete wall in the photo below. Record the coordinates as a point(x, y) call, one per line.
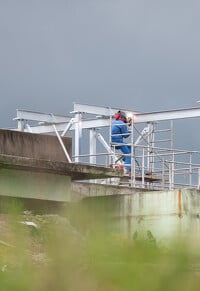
point(163, 215)
point(191, 208)
point(37, 146)
point(35, 185)
point(82, 190)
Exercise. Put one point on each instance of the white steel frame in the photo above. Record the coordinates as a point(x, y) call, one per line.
point(94, 118)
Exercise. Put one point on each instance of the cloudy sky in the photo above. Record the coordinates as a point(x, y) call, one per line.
point(136, 54)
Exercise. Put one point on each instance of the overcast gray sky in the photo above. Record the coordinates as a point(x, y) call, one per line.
point(136, 54)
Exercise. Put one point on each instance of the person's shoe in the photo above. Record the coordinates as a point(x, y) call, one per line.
point(119, 168)
point(127, 173)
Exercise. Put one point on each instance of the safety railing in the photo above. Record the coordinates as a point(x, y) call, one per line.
point(160, 169)
point(163, 168)
point(152, 166)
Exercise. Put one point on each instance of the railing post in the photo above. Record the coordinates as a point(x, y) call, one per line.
point(93, 152)
point(163, 174)
point(132, 155)
point(78, 134)
point(173, 166)
point(110, 156)
point(150, 156)
point(190, 171)
point(21, 124)
point(171, 173)
point(198, 186)
point(143, 186)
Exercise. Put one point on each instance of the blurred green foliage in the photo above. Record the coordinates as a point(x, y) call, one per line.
point(62, 255)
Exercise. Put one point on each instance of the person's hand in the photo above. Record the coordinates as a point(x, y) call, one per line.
point(129, 121)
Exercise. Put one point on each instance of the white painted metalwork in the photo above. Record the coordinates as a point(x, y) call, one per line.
point(167, 115)
point(68, 126)
point(114, 157)
point(78, 134)
point(152, 165)
point(99, 110)
point(47, 127)
point(62, 144)
point(198, 185)
point(41, 117)
point(93, 146)
point(104, 112)
point(142, 135)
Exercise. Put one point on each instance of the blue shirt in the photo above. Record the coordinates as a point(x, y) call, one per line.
point(119, 131)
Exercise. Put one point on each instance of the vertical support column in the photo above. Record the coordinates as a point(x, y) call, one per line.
point(163, 174)
point(21, 124)
point(171, 173)
point(110, 157)
point(198, 185)
point(173, 170)
point(78, 133)
point(150, 157)
point(190, 171)
point(172, 139)
point(93, 151)
point(152, 146)
point(132, 155)
point(143, 186)
point(172, 134)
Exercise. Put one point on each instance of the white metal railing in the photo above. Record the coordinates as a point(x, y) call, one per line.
point(154, 161)
point(171, 168)
point(168, 171)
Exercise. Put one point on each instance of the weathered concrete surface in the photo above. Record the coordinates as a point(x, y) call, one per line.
point(75, 171)
point(82, 190)
point(35, 146)
point(40, 179)
point(190, 206)
point(160, 214)
point(27, 184)
point(128, 211)
point(157, 212)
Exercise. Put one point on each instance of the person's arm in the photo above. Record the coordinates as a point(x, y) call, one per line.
point(125, 131)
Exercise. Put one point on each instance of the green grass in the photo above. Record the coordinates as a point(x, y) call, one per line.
point(59, 256)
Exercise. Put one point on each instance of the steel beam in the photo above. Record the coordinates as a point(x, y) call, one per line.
point(167, 115)
point(100, 122)
point(98, 110)
point(40, 117)
point(86, 124)
point(107, 111)
point(139, 117)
